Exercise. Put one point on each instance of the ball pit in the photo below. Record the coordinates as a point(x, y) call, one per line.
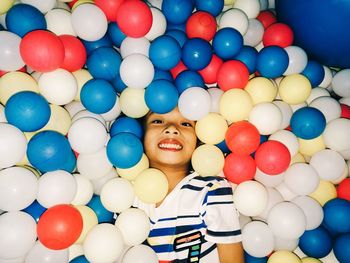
point(268, 94)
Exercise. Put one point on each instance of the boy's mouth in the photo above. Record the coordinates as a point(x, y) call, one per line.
point(170, 145)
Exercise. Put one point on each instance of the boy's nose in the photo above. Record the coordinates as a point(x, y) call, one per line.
point(171, 129)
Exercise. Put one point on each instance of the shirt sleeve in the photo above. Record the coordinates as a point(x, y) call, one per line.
point(220, 214)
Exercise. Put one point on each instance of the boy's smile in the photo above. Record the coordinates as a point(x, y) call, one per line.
point(170, 145)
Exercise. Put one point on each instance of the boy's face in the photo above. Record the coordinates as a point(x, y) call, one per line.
point(170, 139)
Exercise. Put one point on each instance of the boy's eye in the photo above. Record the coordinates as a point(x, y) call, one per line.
point(156, 121)
point(186, 124)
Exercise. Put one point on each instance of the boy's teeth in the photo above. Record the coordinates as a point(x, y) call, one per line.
point(170, 146)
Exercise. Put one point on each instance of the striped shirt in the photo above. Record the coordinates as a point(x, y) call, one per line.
point(192, 219)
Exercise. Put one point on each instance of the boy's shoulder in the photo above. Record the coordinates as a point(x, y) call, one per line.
point(208, 181)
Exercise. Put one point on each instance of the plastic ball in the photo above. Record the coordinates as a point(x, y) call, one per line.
point(84, 190)
point(325, 192)
point(40, 253)
point(211, 129)
point(132, 172)
point(10, 52)
point(131, 45)
point(89, 22)
point(134, 18)
point(187, 79)
point(336, 134)
point(283, 256)
point(297, 60)
point(196, 53)
point(126, 124)
point(343, 189)
point(250, 259)
point(92, 45)
point(316, 243)
point(114, 34)
point(254, 34)
point(211, 6)
point(74, 53)
point(162, 74)
point(278, 34)
point(227, 43)
point(266, 117)
point(329, 106)
point(261, 89)
point(294, 89)
point(201, 24)
point(251, 7)
point(239, 168)
point(132, 102)
point(312, 209)
point(42, 50)
point(235, 18)
point(339, 83)
point(272, 157)
point(335, 213)
point(151, 186)
point(159, 24)
point(124, 150)
point(133, 255)
point(177, 12)
point(103, 215)
point(272, 61)
point(248, 56)
point(58, 21)
point(268, 180)
point(178, 35)
point(207, 160)
point(165, 52)
point(345, 111)
point(314, 72)
point(341, 248)
point(109, 8)
point(232, 74)
point(267, 18)
point(209, 73)
point(178, 69)
point(5, 6)
point(288, 139)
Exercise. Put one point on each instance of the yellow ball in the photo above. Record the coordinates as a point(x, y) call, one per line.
point(80, 2)
point(229, 2)
point(151, 186)
point(5, 5)
point(89, 221)
point(261, 89)
point(298, 158)
point(132, 102)
point(211, 129)
point(310, 260)
point(208, 160)
point(132, 172)
point(294, 89)
point(284, 256)
point(310, 147)
point(14, 82)
point(59, 121)
point(82, 76)
point(324, 192)
point(235, 105)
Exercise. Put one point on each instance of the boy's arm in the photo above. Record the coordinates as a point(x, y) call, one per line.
point(231, 253)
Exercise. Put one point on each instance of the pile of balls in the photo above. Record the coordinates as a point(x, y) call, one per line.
point(76, 78)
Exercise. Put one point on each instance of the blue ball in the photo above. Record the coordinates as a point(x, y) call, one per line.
point(187, 79)
point(161, 96)
point(115, 34)
point(336, 215)
point(22, 19)
point(308, 123)
point(227, 43)
point(316, 34)
point(98, 96)
point(248, 56)
point(126, 124)
point(48, 151)
point(103, 215)
point(341, 248)
point(223, 147)
point(165, 52)
point(316, 243)
point(118, 84)
point(162, 74)
point(35, 210)
point(79, 259)
point(70, 163)
point(250, 259)
point(104, 63)
point(28, 111)
point(180, 27)
point(213, 7)
point(124, 150)
point(177, 12)
point(179, 35)
point(196, 53)
point(272, 61)
point(314, 71)
point(92, 45)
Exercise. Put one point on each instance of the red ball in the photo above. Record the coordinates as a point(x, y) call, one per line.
point(59, 226)
point(278, 34)
point(267, 18)
point(343, 189)
point(272, 157)
point(72, 3)
point(345, 111)
point(23, 69)
point(178, 69)
point(42, 50)
point(210, 72)
point(202, 25)
point(239, 168)
point(134, 18)
point(233, 74)
point(109, 8)
point(74, 53)
point(242, 138)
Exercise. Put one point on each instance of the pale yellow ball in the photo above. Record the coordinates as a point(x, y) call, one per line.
point(211, 129)
point(283, 256)
point(151, 186)
point(298, 158)
point(229, 2)
point(89, 221)
point(132, 172)
point(82, 76)
point(59, 121)
point(5, 5)
point(261, 89)
point(324, 192)
point(310, 260)
point(14, 82)
point(80, 2)
point(310, 147)
point(294, 89)
point(208, 160)
point(235, 105)
point(132, 102)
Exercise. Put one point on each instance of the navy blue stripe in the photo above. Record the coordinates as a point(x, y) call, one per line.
point(210, 249)
point(192, 187)
point(221, 203)
point(208, 178)
point(174, 218)
point(170, 231)
point(224, 233)
point(221, 191)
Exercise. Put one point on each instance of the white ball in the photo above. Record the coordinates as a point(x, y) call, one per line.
point(215, 96)
point(18, 234)
point(131, 45)
point(159, 24)
point(286, 111)
point(136, 71)
point(74, 107)
point(268, 180)
point(100, 182)
point(297, 60)
point(329, 106)
point(194, 103)
point(337, 134)
point(113, 113)
point(59, 22)
point(140, 254)
point(84, 191)
point(287, 220)
point(103, 243)
point(329, 164)
point(257, 239)
point(10, 57)
point(266, 117)
point(43, 6)
point(341, 83)
point(18, 188)
point(250, 198)
point(345, 100)
point(316, 93)
point(40, 254)
point(274, 197)
point(85, 113)
point(2, 114)
point(312, 209)
point(288, 139)
point(301, 178)
point(236, 19)
point(327, 80)
point(57, 187)
point(250, 7)
point(89, 22)
point(13, 145)
point(254, 33)
point(117, 195)
point(286, 244)
point(134, 225)
point(58, 86)
point(87, 135)
point(285, 191)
